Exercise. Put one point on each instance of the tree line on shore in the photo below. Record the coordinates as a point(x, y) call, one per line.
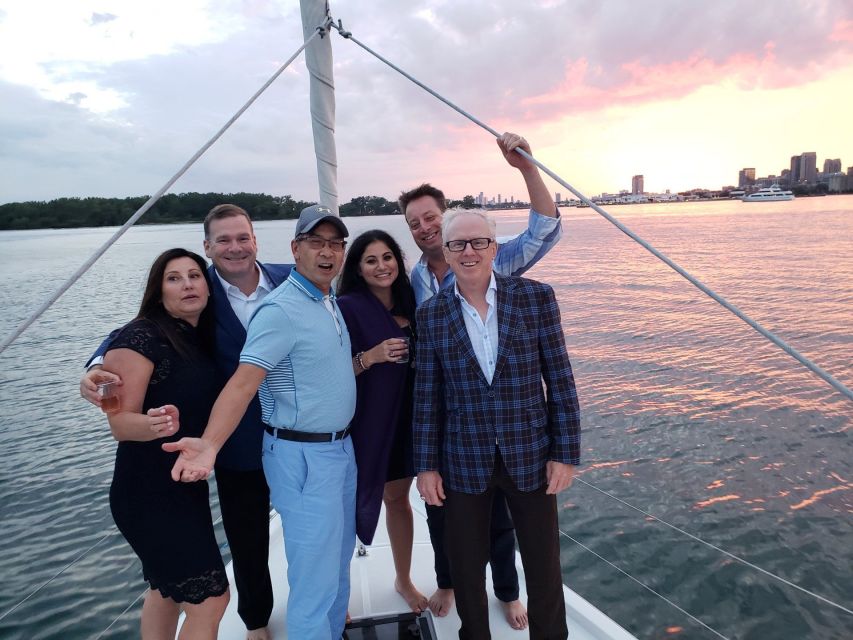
point(65, 213)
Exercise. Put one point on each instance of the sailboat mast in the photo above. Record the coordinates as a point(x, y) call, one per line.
point(318, 58)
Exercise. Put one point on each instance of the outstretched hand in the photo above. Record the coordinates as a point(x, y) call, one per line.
point(508, 143)
point(195, 461)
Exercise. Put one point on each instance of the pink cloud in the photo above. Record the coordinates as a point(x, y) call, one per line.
point(636, 82)
point(842, 31)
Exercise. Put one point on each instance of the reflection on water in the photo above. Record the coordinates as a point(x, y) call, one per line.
point(687, 414)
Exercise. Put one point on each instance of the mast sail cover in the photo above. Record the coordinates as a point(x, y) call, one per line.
point(318, 59)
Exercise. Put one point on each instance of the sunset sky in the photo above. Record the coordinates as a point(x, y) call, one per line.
point(111, 97)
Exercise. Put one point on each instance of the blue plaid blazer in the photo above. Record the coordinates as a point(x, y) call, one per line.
point(459, 417)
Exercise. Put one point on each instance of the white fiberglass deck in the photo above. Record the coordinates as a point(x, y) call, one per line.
point(373, 594)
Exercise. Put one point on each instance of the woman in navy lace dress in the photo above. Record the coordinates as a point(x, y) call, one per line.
point(165, 360)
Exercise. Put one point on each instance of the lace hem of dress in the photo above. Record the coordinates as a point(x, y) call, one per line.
point(194, 590)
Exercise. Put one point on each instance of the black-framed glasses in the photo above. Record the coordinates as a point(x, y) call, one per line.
point(318, 242)
point(476, 243)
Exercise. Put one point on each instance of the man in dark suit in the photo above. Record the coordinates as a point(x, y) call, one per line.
point(238, 284)
point(483, 421)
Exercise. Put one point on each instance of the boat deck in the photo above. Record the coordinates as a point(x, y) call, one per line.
point(373, 596)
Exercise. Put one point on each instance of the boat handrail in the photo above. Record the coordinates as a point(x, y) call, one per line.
point(811, 366)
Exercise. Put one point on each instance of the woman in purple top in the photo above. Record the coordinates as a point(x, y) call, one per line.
point(378, 304)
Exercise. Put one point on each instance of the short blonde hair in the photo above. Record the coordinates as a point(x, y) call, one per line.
point(452, 214)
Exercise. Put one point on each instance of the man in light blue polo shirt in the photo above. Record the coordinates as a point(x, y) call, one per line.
point(305, 380)
point(423, 208)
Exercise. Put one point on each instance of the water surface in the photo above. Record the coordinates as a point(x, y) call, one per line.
point(688, 414)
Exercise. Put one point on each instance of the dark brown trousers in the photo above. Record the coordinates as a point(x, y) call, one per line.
point(467, 543)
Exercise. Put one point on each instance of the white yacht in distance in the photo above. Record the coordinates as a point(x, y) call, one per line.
point(768, 194)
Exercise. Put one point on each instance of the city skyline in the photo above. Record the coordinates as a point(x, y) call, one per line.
point(746, 178)
point(97, 102)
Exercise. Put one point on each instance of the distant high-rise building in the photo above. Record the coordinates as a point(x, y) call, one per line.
point(838, 182)
point(499, 198)
point(557, 197)
point(637, 185)
point(808, 167)
point(832, 166)
point(746, 177)
point(795, 169)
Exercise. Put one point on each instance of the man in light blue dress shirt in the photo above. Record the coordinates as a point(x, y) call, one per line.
point(423, 208)
point(304, 377)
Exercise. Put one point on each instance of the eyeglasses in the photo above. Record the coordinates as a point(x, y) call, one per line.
point(476, 243)
point(317, 243)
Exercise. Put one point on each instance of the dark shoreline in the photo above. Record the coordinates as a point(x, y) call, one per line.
point(185, 208)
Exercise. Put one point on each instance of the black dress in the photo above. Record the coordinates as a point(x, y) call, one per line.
point(167, 523)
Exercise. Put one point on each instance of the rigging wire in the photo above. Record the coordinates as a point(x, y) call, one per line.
point(121, 615)
point(82, 555)
point(79, 557)
point(320, 31)
point(814, 368)
point(645, 586)
point(837, 385)
point(716, 548)
point(58, 573)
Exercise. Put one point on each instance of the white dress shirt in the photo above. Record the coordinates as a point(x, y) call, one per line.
point(483, 335)
point(244, 306)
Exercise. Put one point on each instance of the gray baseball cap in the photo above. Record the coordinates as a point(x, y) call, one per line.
point(314, 215)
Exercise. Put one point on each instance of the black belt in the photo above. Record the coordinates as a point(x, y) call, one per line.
point(306, 436)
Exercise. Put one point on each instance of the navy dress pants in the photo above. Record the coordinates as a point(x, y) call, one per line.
point(244, 499)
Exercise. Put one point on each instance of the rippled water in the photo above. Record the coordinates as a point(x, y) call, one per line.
point(688, 414)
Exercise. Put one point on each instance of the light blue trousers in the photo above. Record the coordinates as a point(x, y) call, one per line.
point(312, 486)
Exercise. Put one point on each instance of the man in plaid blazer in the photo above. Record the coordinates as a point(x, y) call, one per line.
point(483, 421)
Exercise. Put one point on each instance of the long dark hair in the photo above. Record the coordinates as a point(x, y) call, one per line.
point(402, 294)
point(151, 308)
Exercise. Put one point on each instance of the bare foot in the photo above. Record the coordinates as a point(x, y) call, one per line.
point(258, 634)
point(349, 618)
point(441, 602)
point(516, 614)
point(415, 599)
